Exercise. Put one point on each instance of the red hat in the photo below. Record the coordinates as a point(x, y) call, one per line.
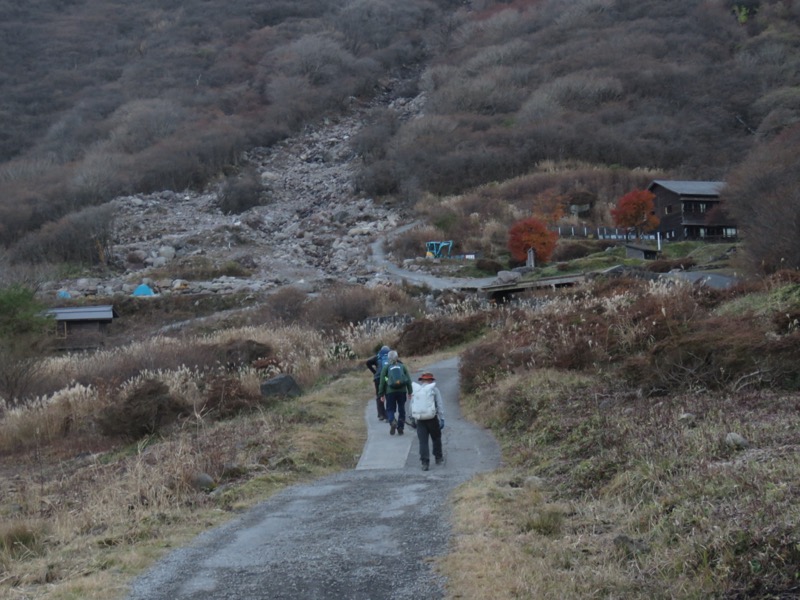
point(427, 377)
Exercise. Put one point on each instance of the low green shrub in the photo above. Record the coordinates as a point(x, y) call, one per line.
point(488, 266)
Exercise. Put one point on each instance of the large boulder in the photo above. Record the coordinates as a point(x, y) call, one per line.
point(282, 386)
point(508, 277)
point(201, 482)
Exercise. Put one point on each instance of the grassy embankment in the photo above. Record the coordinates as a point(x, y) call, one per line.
point(650, 434)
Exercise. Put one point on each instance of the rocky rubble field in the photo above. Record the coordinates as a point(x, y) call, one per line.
point(312, 228)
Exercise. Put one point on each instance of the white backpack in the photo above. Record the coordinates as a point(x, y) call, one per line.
point(423, 402)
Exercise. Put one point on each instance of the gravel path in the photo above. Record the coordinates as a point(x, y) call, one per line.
point(364, 534)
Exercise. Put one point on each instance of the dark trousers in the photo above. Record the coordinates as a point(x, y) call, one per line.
point(429, 428)
point(381, 407)
point(396, 402)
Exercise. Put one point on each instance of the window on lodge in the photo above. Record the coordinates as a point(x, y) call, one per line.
point(729, 232)
point(668, 209)
point(695, 207)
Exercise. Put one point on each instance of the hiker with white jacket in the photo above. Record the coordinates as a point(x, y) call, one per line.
point(427, 407)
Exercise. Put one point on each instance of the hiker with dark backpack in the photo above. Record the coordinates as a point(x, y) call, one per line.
point(427, 407)
point(375, 365)
point(395, 388)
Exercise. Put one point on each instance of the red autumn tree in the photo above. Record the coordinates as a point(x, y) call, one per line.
point(531, 233)
point(636, 211)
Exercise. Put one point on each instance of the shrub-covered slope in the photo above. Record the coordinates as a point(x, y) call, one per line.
point(651, 434)
point(106, 98)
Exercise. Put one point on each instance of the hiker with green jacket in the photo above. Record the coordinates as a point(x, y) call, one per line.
point(395, 388)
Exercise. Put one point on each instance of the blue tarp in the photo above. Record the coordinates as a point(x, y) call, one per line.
point(143, 290)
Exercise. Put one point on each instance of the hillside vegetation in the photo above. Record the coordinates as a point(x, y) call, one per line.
point(651, 439)
point(107, 98)
point(580, 100)
point(650, 428)
point(684, 87)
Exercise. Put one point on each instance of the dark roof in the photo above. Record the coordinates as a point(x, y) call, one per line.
point(83, 313)
point(690, 188)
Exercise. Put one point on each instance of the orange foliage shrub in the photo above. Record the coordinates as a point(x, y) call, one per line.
point(636, 211)
point(531, 234)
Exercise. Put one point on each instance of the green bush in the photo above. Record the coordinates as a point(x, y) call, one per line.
point(488, 266)
point(23, 331)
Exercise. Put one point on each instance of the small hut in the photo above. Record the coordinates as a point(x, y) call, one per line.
point(82, 327)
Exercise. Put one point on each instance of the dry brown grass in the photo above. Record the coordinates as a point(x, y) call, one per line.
point(100, 478)
point(608, 494)
point(619, 481)
point(502, 551)
point(607, 491)
point(81, 525)
point(657, 336)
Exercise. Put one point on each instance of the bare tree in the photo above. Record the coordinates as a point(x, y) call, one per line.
point(763, 194)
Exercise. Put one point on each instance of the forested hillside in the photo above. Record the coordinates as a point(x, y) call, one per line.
point(106, 98)
point(680, 86)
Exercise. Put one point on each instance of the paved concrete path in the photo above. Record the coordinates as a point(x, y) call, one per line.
point(367, 534)
point(391, 270)
point(384, 451)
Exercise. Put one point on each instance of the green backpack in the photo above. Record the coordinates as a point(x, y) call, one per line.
point(396, 377)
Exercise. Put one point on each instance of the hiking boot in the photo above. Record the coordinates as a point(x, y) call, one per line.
point(439, 460)
point(399, 432)
point(393, 427)
point(426, 466)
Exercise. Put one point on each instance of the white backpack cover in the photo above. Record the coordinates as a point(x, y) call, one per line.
point(423, 402)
